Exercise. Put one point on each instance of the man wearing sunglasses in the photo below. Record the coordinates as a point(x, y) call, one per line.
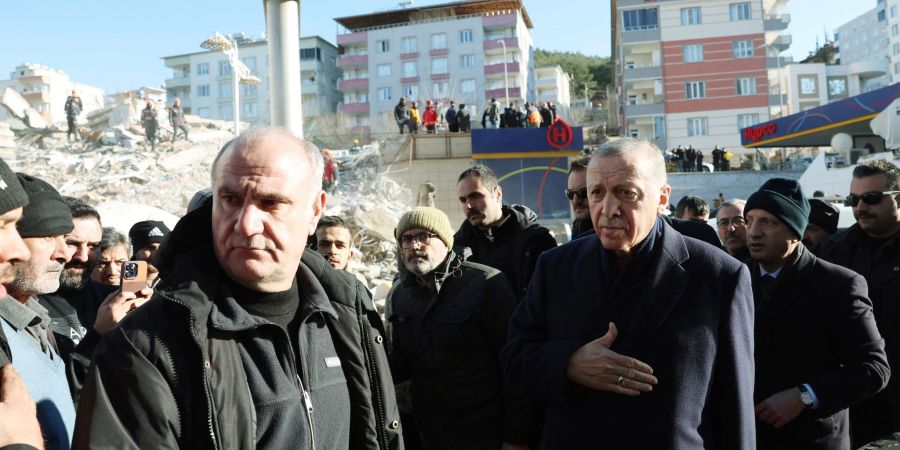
point(576, 192)
point(450, 318)
point(871, 247)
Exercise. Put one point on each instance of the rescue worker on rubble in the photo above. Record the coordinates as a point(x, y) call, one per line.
point(73, 109)
point(176, 120)
point(150, 122)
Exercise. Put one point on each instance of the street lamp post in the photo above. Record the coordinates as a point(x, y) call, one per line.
point(505, 73)
point(240, 73)
point(772, 49)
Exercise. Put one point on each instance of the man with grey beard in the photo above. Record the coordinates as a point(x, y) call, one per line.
point(449, 321)
point(45, 221)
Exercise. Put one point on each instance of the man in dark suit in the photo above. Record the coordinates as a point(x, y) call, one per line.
point(818, 350)
point(656, 349)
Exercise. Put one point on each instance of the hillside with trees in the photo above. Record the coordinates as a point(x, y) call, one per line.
point(593, 71)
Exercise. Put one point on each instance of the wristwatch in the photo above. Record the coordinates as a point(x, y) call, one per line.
point(805, 396)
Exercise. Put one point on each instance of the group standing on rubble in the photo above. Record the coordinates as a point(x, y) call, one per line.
point(643, 330)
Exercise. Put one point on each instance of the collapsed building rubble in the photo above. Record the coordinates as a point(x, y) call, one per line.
point(114, 169)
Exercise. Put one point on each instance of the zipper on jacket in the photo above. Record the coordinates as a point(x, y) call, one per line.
point(374, 379)
point(307, 403)
point(206, 390)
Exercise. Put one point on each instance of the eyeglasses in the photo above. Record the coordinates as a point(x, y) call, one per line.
point(571, 193)
point(737, 222)
point(406, 240)
point(869, 198)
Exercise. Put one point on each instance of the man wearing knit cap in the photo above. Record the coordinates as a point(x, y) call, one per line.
point(45, 221)
point(823, 222)
point(18, 413)
point(449, 321)
point(145, 238)
point(818, 350)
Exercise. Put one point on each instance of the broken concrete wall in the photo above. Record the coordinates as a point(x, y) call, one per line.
point(18, 107)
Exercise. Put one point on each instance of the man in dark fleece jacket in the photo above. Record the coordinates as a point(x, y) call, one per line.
point(504, 237)
point(248, 341)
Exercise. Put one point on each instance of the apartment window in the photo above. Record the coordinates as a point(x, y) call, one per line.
point(808, 85)
point(837, 87)
point(896, 49)
point(467, 86)
point(882, 16)
point(224, 90)
point(440, 89)
point(640, 19)
point(383, 46)
point(747, 120)
point(384, 94)
point(203, 111)
point(693, 53)
point(250, 89)
point(745, 86)
point(895, 30)
point(467, 61)
point(203, 69)
point(465, 36)
point(438, 41)
point(409, 45)
point(224, 68)
point(439, 65)
point(383, 70)
point(690, 16)
point(698, 126)
point(225, 112)
point(897, 68)
point(739, 11)
point(203, 90)
point(411, 91)
point(248, 109)
point(310, 54)
point(250, 62)
point(410, 69)
point(893, 11)
point(695, 89)
point(742, 48)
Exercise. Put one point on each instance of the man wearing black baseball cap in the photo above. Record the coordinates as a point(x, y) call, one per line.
point(818, 350)
point(145, 238)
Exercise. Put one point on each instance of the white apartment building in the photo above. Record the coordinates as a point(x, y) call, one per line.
point(694, 72)
point(892, 15)
point(865, 40)
point(810, 85)
point(553, 85)
point(202, 80)
point(46, 90)
point(453, 51)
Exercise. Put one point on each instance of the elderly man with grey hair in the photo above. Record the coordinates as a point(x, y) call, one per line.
point(657, 349)
point(250, 340)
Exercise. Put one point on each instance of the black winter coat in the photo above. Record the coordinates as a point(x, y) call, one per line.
point(815, 326)
point(448, 343)
point(880, 415)
point(512, 247)
point(170, 376)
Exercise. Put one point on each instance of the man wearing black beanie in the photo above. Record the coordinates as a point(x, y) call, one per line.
point(45, 221)
point(818, 350)
point(145, 238)
point(823, 222)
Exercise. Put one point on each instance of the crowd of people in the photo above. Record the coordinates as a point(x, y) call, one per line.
point(453, 119)
point(771, 330)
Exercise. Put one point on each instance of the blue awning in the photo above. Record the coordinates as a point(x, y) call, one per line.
point(815, 127)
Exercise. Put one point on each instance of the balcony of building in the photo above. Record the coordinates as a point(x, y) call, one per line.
point(781, 42)
point(345, 61)
point(410, 55)
point(641, 72)
point(353, 85)
point(31, 80)
point(497, 21)
point(772, 62)
point(361, 37)
point(493, 69)
point(869, 68)
point(181, 81)
point(644, 98)
point(500, 93)
point(646, 128)
point(649, 33)
point(37, 97)
point(354, 108)
point(490, 46)
point(546, 82)
point(776, 22)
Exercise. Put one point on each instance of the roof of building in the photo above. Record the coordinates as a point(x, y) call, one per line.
point(460, 8)
point(252, 43)
point(815, 127)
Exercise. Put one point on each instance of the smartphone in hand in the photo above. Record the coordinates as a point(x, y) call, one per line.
point(134, 276)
